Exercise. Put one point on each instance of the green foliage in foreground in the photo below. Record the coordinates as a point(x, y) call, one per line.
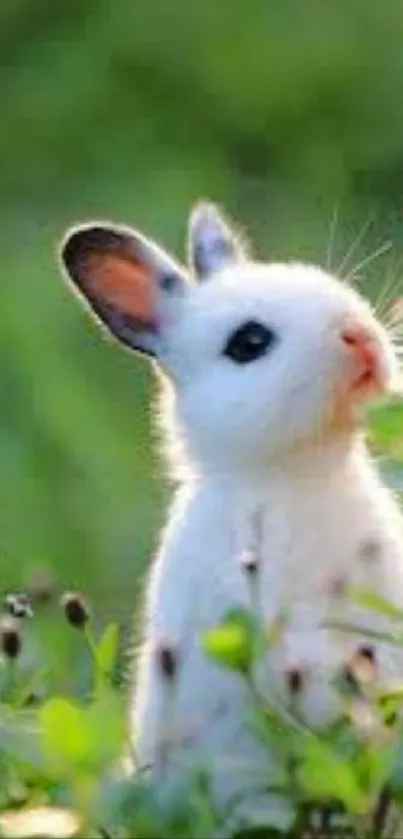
point(64, 733)
point(61, 767)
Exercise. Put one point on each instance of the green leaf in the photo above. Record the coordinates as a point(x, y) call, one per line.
point(371, 600)
point(107, 648)
point(275, 631)
point(396, 639)
point(396, 773)
point(231, 643)
point(82, 739)
point(393, 695)
point(324, 775)
point(65, 733)
point(386, 429)
point(106, 721)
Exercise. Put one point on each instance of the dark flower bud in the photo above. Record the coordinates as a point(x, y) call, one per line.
point(32, 700)
point(10, 637)
point(349, 682)
point(75, 609)
point(367, 652)
point(250, 563)
point(168, 661)
point(364, 664)
point(370, 551)
point(295, 679)
point(338, 587)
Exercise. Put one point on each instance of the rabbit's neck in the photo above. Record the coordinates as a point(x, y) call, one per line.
point(318, 510)
point(304, 494)
point(306, 471)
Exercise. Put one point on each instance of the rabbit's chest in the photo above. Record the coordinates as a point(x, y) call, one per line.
point(312, 546)
point(309, 558)
point(304, 561)
point(304, 575)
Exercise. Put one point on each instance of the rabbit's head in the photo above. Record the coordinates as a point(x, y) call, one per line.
point(261, 357)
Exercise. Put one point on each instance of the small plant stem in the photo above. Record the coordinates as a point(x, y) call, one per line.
point(100, 675)
point(28, 689)
point(381, 811)
point(10, 679)
point(90, 644)
point(166, 725)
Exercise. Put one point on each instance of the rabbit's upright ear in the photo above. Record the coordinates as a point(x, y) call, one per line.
point(213, 243)
point(129, 283)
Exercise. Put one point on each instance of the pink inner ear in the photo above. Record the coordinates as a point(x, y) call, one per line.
point(125, 283)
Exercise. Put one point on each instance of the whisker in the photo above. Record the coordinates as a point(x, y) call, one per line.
point(355, 244)
point(370, 258)
point(393, 319)
point(384, 292)
point(357, 278)
point(386, 295)
point(394, 323)
point(396, 340)
point(332, 238)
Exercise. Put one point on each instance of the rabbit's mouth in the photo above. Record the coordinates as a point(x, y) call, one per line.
point(366, 376)
point(367, 373)
point(368, 381)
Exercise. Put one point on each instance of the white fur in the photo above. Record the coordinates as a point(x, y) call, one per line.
point(262, 436)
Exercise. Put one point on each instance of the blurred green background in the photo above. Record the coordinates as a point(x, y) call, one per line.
point(283, 110)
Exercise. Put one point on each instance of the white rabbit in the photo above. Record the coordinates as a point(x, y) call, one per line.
point(267, 371)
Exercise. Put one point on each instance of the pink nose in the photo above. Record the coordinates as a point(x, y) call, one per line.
point(360, 342)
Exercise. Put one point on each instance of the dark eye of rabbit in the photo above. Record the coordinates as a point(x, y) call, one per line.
point(249, 342)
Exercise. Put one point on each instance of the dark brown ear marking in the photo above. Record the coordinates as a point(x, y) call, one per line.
point(87, 241)
point(115, 277)
point(130, 284)
point(103, 264)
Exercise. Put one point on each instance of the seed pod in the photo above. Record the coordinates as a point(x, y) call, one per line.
point(168, 661)
point(250, 563)
point(295, 679)
point(10, 638)
point(338, 587)
point(367, 652)
point(370, 551)
point(75, 609)
point(349, 683)
point(364, 664)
